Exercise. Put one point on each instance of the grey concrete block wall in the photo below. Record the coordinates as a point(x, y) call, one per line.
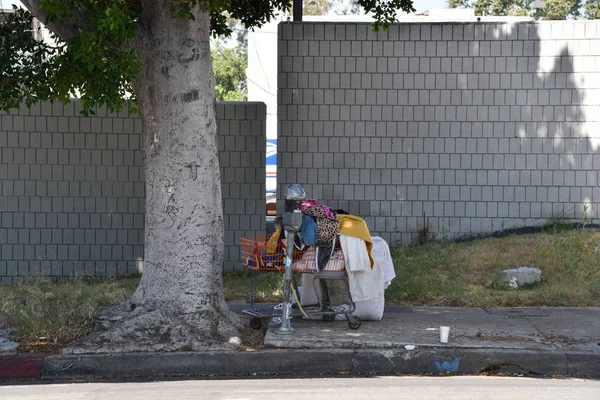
point(242, 147)
point(72, 190)
point(466, 127)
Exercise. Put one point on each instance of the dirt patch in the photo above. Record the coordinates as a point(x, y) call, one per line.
point(39, 348)
point(252, 339)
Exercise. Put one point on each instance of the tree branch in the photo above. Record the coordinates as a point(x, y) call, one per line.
point(65, 29)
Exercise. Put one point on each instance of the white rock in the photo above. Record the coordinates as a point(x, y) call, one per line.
point(596, 248)
point(7, 346)
point(519, 277)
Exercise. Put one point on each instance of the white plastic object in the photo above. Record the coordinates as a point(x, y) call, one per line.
point(444, 333)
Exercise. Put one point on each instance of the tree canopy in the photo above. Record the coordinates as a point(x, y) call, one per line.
point(98, 60)
point(552, 10)
point(592, 9)
point(229, 66)
point(323, 7)
point(95, 55)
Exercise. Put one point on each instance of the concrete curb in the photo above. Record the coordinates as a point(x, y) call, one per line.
point(332, 361)
point(20, 367)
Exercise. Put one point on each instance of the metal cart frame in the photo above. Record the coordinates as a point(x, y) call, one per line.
point(283, 312)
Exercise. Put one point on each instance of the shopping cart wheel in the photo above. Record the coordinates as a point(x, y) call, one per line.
point(329, 317)
point(256, 323)
point(353, 322)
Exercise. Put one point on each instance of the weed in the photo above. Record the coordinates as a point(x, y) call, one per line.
point(396, 241)
point(557, 222)
point(425, 234)
point(498, 284)
point(574, 251)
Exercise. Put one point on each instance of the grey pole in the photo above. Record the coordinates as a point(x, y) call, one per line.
point(292, 222)
point(286, 325)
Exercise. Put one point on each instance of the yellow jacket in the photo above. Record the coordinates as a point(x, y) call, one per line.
point(273, 242)
point(352, 225)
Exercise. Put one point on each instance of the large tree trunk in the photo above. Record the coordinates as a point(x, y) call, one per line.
point(179, 303)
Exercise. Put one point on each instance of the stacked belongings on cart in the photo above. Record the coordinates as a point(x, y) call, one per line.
point(332, 241)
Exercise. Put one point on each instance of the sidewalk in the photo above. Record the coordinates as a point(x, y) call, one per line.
point(543, 329)
point(544, 341)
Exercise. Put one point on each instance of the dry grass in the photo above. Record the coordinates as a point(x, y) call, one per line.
point(267, 286)
point(462, 274)
point(46, 316)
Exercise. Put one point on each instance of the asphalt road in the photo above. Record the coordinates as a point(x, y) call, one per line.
point(413, 388)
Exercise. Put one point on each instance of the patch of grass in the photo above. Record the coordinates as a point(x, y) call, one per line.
point(461, 274)
point(577, 252)
point(44, 316)
point(267, 286)
point(556, 223)
point(595, 289)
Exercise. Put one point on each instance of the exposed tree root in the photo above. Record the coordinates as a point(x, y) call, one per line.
point(163, 329)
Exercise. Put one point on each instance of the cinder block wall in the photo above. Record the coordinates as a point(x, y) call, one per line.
point(465, 127)
point(72, 190)
point(242, 146)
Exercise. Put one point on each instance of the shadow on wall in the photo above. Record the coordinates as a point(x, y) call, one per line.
point(472, 127)
point(550, 168)
point(554, 130)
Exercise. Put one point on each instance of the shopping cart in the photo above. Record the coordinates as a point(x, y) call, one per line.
point(330, 281)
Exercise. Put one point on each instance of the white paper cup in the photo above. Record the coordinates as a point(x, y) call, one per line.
point(444, 332)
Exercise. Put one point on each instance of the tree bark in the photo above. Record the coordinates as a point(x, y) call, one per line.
point(179, 303)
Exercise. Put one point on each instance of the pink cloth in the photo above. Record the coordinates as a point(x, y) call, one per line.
point(308, 203)
point(313, 202)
